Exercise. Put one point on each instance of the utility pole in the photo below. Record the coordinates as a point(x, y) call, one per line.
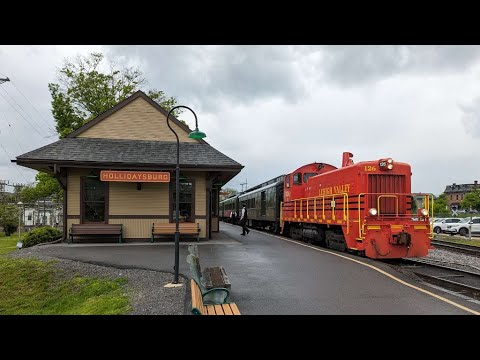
point(4, 80)
point(246, 185)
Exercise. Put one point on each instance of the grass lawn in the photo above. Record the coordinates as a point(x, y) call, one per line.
point(30, 286)
point(8, 243)
point(460, 240)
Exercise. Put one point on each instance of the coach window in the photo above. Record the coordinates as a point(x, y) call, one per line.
point(186, 200)
point(297, 179)
point(287, 179)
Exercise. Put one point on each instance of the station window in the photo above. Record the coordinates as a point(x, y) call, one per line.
point(186, 201)
point(93, 204)
point(297, 178)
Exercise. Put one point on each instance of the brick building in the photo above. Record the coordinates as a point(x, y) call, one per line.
point(456, 193)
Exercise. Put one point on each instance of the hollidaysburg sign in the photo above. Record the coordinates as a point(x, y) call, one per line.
point(134, 176)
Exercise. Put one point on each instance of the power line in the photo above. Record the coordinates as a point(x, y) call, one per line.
point(20, 107)
point(8, 155)
point(14, 136)
point(38, 112)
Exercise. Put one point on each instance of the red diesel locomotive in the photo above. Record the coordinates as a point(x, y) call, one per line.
point(364, 207)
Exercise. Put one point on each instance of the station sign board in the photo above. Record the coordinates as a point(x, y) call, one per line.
point(134, 176)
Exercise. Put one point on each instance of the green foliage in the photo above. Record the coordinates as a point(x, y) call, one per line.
point(46, 185)
point(9, 218)
point(440, 207)
point(471, 200)
point(33, 287)
point(84, 91)
point(41, 235)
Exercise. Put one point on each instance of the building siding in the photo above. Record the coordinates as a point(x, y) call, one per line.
point(138, 120)
point(73, 190)
point(125, 199)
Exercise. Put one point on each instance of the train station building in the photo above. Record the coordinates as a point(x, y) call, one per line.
point(119, 168)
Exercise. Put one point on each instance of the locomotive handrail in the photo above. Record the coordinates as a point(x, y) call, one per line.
point(388, 196)
point(361, 225)
point(345, 208)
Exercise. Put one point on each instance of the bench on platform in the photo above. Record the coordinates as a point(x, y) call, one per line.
point(168, 229)
point(199, 307)
point(96, 230)
point(211, 277)
point(212, 295)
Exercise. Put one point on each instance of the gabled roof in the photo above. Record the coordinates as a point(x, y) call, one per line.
point(121, 104)
point(129, 152)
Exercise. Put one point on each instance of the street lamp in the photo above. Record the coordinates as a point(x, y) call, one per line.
point(19, 242)
point(196, 134)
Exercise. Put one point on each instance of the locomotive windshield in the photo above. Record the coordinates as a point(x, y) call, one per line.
point(307, 176)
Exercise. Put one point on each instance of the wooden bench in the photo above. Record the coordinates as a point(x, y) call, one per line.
point(213, 295)
point(199, 308)
point(185, 228)
point(96, 229)
point(211, 277)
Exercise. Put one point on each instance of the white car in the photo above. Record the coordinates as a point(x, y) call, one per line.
point(464, 227)
point(441, 226)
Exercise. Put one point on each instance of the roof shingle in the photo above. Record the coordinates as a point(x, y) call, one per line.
point(130, 152)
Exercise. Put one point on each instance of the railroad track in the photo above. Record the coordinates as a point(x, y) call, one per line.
point(442, 274)
point(447, 245)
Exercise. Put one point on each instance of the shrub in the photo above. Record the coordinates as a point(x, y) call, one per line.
point(41, 235)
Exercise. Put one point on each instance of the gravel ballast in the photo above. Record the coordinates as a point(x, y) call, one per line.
point(145, 288)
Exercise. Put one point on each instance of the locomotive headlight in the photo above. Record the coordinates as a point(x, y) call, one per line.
point(372, 212)
point(424, 212)
point(386, 164)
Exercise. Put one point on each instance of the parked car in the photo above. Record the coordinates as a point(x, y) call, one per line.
point(449, 227)
point(441, 226)
point(464, 228)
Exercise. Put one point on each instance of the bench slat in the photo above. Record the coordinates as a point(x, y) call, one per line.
point(218, 310)
point(226, 309)
point(197, 303)
point(234, 308)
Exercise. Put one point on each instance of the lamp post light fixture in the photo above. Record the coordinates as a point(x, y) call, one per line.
point(19, 242)
point(196, 134)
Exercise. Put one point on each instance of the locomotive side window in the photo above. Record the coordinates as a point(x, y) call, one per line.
point(297, 178)
point(307, 176)
point(287, 180)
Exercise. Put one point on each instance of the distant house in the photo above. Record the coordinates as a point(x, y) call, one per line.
point(456, 193)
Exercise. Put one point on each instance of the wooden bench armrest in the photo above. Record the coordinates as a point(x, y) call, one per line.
point(216, 296)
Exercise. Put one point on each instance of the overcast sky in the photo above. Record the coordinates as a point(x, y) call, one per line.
point(275, 108)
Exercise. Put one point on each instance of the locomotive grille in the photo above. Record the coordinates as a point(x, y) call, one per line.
point(387, 184)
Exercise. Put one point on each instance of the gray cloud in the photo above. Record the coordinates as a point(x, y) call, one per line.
point(349, 65)
point(207, 75)
point(471, 117)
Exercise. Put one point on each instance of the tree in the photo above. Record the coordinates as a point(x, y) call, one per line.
point(226, 193)
point(471, 200)
point(84, 91)
point(46, 185)
point(440, 207)
point(9, 218)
